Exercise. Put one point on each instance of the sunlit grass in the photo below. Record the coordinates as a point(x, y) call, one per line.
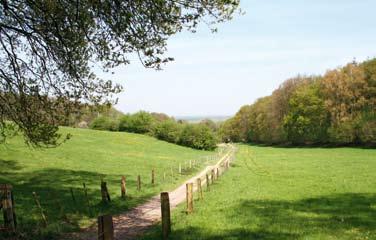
point(286, 193)
point(86, 158)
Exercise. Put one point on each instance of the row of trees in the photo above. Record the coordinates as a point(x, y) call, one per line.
point(337, 108)
point(199, 136)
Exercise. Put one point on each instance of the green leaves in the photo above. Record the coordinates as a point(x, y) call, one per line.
point(47, 49)
point(337, 108)
point(307, 120)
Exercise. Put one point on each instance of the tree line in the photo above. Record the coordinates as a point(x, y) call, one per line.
point(195, 135)
point(337, 108)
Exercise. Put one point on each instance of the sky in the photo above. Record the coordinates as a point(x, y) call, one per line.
point(250, 56)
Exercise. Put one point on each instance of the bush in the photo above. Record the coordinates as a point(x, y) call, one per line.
point(198, 136)
point(141, 122)
point(125, 123)
point(104, 123)
point(342, 133)
point(368, 133)
point(167, 130)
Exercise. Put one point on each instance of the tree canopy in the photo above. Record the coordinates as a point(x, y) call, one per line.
point(48, 50)
point(336, 108)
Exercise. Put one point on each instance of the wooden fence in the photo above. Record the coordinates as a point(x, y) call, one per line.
point(105, 221)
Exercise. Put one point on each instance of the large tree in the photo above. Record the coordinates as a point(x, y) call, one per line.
point(48, 49)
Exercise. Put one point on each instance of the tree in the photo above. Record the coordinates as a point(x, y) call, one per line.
point(345, 98)
point(198, 136)
point(48, 50)
point(280, 104)
point(337, 108)
point(307, 120)
point(260, 121)
point(210, 124)
point(229, 131)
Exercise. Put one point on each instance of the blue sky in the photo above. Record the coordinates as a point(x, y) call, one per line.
point(250, 56)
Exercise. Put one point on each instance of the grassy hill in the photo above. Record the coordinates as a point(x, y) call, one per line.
point(287, 193)
point(86, 158)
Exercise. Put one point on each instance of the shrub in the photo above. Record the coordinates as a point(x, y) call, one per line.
point(167, 130)
point(342, 133)
point(141, 122)
point(368, 133)
point(125, 123)
point(105, 123)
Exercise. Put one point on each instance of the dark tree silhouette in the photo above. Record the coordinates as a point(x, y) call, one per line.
point(48, 49)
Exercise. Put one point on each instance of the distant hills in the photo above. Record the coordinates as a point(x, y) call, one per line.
point(194, 119)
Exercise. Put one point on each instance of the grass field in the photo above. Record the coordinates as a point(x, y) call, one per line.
point(86, 158)
point(287, 193)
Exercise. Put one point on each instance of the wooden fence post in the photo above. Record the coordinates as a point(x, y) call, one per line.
point(189, 187)
point(104, 191)
point(199, 189)
point(87, 198)
point(179, 168)
point(152, 176)
point(190, 164)
point(139, 183)
point(217, 173)
point(105, 228)
point(123, 187)
point(72, 195)
point(7, 202)
point(166, 218)
point(40, 209)
point(207, 182)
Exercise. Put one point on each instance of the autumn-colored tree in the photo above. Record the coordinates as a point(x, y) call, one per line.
point(343, 91)
point(337, 108)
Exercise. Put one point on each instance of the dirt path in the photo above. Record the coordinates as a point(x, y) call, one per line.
point(136, 221)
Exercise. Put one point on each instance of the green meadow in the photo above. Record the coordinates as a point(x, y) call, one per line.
point(286, 193)
point(88, 157)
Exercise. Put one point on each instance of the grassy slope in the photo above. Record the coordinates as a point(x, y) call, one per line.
point(294, 193)
point(87, 157)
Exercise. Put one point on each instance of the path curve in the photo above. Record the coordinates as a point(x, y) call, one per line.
point(135, 222)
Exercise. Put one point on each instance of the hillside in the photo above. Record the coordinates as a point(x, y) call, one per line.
point(86, 158)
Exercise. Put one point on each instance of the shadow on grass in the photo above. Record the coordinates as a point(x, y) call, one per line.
point(63, 213)
point(10, 165)
point(345, 216)
point(194, 233)
point(332, 213)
